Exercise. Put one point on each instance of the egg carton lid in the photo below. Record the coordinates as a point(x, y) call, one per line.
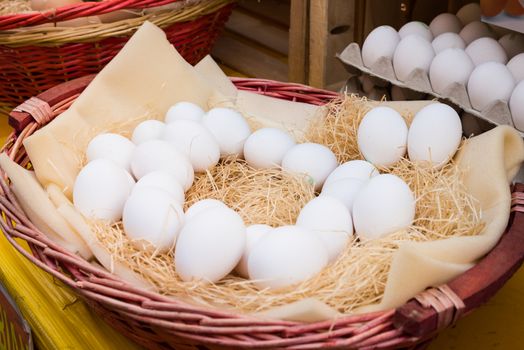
point(504, 20)
point(497, 112)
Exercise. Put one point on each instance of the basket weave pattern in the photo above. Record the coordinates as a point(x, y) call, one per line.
point(159, 322)
point(33, 60)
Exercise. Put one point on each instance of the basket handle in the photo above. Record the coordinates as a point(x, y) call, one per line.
point(475, 286)
point(26, 113)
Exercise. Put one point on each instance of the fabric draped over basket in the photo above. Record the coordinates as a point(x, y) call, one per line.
point(148, 76)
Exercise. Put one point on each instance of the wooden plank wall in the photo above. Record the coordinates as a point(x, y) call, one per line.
point(256, 39)
point(298, 69)
point(289, 40)
point(331, 30)
point(297, 40)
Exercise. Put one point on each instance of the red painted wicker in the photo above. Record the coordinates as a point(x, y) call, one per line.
point(33, 60)
point(159, 322)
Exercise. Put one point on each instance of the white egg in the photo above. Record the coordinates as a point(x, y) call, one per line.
point(253, 234)
point(516, 106)
point(512, 43)
point(113, 147)
point(285, 256)
point(381, 42)
point(356, 169)
point(382, 136)
point(516, 67)
point(210, 246)
point(161, 155)
point(148, 130)
point(385, 205)
point(229, 128)
point(152, 215)
point(330, 220)
point(488, 83)
point(312, 159)
point(486, 50)
point(445, 22)
point(469, 13)
point(413, 52)
point(266, 147)
point(417, 28)
point(101, 189)
point(345, 190)
point(195, 142)
point(164, 181)
point(475, 30)
point(449, 67)
point(184, 111)
point(201, 205)
point(447, 41)
point(434, 135)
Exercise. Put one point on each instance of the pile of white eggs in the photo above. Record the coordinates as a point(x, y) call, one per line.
point(456, 49)
point(142, 182)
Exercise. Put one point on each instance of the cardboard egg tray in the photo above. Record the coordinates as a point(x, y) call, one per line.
point(497, 113)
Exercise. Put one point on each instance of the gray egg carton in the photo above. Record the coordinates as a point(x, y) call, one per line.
point(497, 113)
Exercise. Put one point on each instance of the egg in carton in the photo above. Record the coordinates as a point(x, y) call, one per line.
point(418, 80)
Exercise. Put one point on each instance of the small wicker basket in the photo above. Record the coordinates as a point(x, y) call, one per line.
point(159, 322)
point(35, 57)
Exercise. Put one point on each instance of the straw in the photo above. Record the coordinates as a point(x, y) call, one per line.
point(260, 196)
point(358, 276)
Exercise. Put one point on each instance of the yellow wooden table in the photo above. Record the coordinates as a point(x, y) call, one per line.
point(5, 129)
point(497, 325)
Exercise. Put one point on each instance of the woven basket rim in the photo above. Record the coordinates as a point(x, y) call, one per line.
point(50, 36)
point(72, 11)
point(198, 323)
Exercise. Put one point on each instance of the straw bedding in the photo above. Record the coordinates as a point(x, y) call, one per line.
point(358, 276)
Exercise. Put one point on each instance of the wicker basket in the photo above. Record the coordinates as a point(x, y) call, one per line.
point(34, 58)
point(159, 322)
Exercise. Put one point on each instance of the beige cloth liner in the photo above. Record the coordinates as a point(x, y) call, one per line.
point(266, 111)
point(142, 81)
point(148, 76)
point(216, 78)
point(40, 210)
